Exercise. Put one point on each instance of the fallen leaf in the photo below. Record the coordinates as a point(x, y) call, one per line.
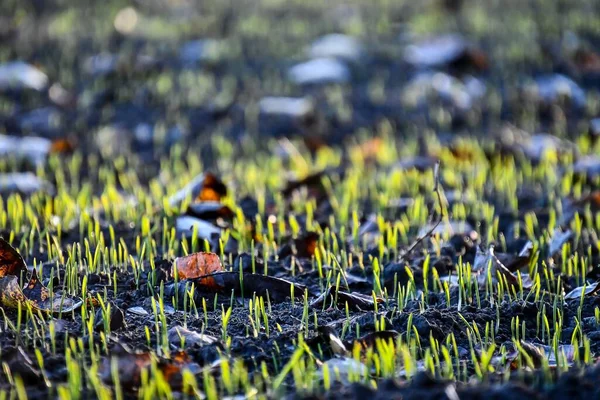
point(328, 336)
point(11, 262)
point(210, 211)
point(278, 289)
point(578, 291)
point(129, 366)
point(10, 292)
point(20, 364)
point(204, 187)
point(487, 263)
point(42, 299)
point(191, 338)
point(196, 265)
point(33, 149)
point(355, 301)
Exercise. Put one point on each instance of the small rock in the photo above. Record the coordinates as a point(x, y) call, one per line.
point(550, 88)
point(191, 338)
point(462, 94)
point(436, 51)
point(319, 71)
point(33, 149)
point(588, 166)
point(20, 75)
point(445, 50)
point(25, 183)
point(137, 311)
point(336, 46)
point(285, 106)
point(205, 230)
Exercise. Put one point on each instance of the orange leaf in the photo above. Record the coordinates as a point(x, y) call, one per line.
point(212, 189)
point(11, 262)
point(197, 264)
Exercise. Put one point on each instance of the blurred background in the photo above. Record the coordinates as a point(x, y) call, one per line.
point(135, 78)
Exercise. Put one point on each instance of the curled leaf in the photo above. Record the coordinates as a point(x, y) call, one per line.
point(581, 291)
point(36, 295)
point(196, 265)
point(42, 299)
point(11, 262)
point(10, 292)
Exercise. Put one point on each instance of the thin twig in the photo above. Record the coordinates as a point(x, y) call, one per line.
point(436, 189)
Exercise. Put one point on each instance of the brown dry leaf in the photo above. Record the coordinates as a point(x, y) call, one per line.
point(213, 189)
point(131, 364)
point(36, 295)
point(277, 288)
point(42, 299)
point(586, 61)
point(196, 265)
point(62, 145)
point(129, 367)
point(368, 150)
point(204, 187)
point(91, 301)
point(10, 292)
point(210, 211)
point(11, 262)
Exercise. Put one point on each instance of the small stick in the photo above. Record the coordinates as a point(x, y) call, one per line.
point(436, 189)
